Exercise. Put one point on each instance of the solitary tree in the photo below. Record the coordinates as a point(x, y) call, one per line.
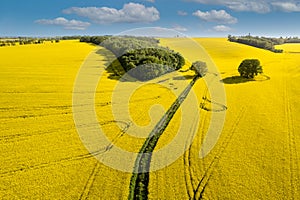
point(200, 68)
point(249, 68)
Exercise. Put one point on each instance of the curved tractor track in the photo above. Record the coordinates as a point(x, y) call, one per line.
point(103, 150)
point(201, 186)
point(195, 185)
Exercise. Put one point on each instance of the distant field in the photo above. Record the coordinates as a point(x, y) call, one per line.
point(290, 48)
point(42, 156)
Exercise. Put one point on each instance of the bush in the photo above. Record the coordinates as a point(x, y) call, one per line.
point(249, 68)
point(200, 68)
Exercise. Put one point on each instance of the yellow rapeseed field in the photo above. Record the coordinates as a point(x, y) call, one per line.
point(257, 156)
point(42, 157)
point(41, 154)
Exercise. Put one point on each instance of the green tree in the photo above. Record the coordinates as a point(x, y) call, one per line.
point(200, 68)
point(249, 68)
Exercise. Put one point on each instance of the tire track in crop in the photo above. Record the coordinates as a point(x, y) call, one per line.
point(138, 188)
point(20, 136)
point(25, 116)
point(26, 136)
point(191, 180)
point(24, 168)
point(294, 166)
point(89, 184)
point(191, 185)
point(221, 109)
point(188, 172)
point(66, 108)
point(103, 150)
point(201, 186)
point(206, 100)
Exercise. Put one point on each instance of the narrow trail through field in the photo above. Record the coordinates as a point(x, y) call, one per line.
point(140, 177)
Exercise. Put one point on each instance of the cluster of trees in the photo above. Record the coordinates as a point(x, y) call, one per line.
point(148, 63)
point(263, 42)
point(292, 40)
point(281, 40)
point(7, 43)
point(141, 57)
point(122, 45)
point(93, 39)
point(259, 42)
point(107, 40)
point(73, 37)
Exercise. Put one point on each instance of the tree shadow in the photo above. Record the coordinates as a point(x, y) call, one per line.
point(114, 68)
point(239, 79)
point(185, 77)
point(293, 52)
point(236, 80)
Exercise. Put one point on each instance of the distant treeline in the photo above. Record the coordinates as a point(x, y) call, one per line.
point(129, 40)
point(141, 57)
point(263, 42)
point(12, 41)
point(25, 41)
